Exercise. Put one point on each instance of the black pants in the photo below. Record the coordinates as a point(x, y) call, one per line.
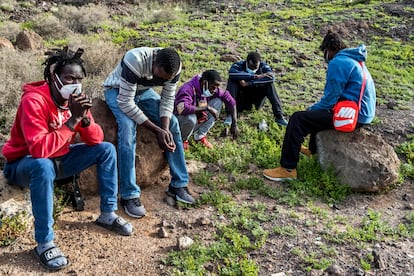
point(247, 97)
point(300, 125)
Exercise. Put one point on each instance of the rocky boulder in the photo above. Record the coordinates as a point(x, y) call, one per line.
point(5, 43)
point(150, 162)
point(13, 199)
point(361, 159)
point(29, 40)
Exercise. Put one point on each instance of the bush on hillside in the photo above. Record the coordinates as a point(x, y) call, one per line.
point(83, 19)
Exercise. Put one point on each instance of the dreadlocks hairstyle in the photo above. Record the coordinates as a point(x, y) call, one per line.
point(59, 58)
point(210, 76)
point(332, 41)
point(168, 59)
point(254, 57)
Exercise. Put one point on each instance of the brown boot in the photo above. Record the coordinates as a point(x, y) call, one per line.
point(280, 174)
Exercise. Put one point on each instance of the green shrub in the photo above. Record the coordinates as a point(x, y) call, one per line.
point(11, 228)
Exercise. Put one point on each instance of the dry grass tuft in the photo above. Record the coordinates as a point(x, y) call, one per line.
point(83, 19)
point(164, 16)
point(100, 58)
point(49, 26)
point(18, 68)
point(9, 30)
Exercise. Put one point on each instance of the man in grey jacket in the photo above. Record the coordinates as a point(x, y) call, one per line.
point(129, 94)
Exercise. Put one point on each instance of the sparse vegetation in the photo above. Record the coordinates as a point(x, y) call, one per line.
point(11, 228)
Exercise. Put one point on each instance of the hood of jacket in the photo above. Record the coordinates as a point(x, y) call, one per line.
point(39, 89)
point(359, 53)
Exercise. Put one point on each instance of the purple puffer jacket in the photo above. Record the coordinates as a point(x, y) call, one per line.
point(189, 95)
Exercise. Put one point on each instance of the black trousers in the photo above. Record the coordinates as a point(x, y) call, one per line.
point(300, 125)
point(247, 97)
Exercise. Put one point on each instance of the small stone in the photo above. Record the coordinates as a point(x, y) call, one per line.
point(204, 221)
point(162, 233)
point(279, 274)
point(409, 206)
point(170, 201)
point(378, 260)
point(184, 242)
point(335, 270)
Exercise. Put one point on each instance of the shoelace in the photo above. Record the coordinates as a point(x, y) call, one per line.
point(136, 201)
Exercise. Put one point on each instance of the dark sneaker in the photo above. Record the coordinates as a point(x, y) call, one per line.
point(133, 207)
point(281, 121)
point(180, 194)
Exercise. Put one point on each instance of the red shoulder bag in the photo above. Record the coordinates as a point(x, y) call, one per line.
point(345, 113)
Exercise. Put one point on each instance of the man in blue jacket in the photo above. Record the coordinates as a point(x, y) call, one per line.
point(344, 80)
point(198, 104)
point(250, 82)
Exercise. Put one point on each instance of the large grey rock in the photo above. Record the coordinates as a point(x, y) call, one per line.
point(361, 159)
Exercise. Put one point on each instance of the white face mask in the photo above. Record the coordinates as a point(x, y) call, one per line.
point(68, 89)
point(326, 56)
point(206, 92)
point(250, 70)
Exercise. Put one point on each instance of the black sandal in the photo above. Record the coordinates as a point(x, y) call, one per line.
point(48, 255)
point(118, 226)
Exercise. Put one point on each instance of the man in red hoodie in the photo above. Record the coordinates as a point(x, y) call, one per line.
point(40, 149)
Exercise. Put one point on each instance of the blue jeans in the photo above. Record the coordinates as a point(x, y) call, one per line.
point(189, 125)
point(39, 175)
point(148, 101)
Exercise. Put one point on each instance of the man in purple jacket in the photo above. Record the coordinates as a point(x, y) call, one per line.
point(198, 104)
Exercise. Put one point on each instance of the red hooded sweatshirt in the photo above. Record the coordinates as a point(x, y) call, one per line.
point(39, 128)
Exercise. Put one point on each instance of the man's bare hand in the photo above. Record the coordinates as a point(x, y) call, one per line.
point(165, 140)
point(243, 83)
point(213, 112)
point(234, 130)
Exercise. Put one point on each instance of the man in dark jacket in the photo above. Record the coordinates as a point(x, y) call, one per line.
point(250, 83)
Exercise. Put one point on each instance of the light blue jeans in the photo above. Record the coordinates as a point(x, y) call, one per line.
point(39, 175)
point(148, 101)
point(189, 125)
